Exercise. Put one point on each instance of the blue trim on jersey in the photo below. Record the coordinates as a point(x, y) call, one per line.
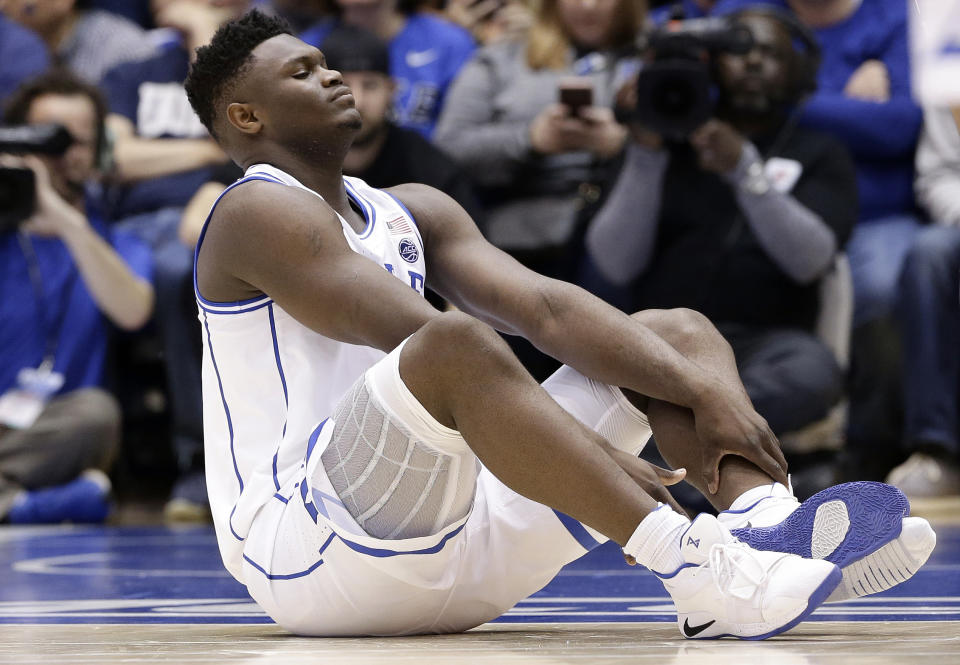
point(266, 300)
point(369, 211)
point(289, 576)
point(283, 382)
point(282, 498)
point(203, 234)
point(577, 530)
point(223, 398)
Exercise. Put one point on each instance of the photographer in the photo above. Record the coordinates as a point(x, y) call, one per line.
point(65, 276)
point(538, 156)
point(739, 221)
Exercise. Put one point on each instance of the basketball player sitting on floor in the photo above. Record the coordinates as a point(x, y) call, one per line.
point(377, 467)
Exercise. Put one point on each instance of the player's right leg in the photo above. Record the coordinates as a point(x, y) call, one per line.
point(863, 527)
point(464, 375)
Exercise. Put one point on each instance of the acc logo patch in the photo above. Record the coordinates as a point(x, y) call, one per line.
point(408, 251)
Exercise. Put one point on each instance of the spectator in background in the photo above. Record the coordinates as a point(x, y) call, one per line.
point(537, 163)
point(739, 223)
point(300, 14)
point(137, 11)
point(426, 53)
point(864, 100)
point(89, 42)
point(382, 154)
point(489, 21)
point(162, 155)
point(930, 320)
point(22, 55)
point(65, 277)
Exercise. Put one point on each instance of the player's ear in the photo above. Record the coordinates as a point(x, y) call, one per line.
point(244, 118)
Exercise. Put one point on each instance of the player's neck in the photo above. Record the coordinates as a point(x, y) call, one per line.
point(322, 174)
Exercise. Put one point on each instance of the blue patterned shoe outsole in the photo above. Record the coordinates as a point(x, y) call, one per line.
point(875, 512)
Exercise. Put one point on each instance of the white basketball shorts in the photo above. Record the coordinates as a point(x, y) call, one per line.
point(315, 572)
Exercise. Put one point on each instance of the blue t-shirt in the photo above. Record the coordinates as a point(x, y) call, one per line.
point(881, 137)
point(425, 57)
point(65, 317)
point(150, 94)
point(22, 56)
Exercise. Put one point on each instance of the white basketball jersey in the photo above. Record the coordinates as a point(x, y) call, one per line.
point(268, 380)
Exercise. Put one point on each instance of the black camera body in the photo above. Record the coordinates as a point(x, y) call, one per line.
point(18, 185)
point(676, 92)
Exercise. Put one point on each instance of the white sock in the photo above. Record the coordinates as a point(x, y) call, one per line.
point(761, 506)
point(656, 541)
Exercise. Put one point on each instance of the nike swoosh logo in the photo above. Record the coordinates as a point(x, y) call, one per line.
point(693, 631)
point(421, 58)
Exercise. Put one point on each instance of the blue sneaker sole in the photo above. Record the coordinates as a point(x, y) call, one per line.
point(874, 512)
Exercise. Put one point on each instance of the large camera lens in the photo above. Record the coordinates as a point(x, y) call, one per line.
point(674, 97)
point(17, 192)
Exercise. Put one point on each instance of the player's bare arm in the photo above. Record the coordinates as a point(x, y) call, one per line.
point(582, 331)
point(287, 243)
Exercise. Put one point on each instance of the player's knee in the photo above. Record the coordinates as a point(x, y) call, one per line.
point(681, 326)
point(456, 339)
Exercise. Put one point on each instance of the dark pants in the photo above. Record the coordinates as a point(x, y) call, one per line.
point(76, 431)
point(929, 308)
point(791, 376)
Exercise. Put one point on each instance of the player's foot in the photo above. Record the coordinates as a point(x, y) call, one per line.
point(862, 527)
point(727, 589)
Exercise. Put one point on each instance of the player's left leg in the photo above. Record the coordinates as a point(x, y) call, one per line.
point(863, 527)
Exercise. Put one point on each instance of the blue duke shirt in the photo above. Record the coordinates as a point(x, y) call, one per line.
point(64, 312)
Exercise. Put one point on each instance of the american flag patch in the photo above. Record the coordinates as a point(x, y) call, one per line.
point(399, 226)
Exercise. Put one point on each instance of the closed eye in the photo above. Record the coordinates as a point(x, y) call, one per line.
point(301, 74)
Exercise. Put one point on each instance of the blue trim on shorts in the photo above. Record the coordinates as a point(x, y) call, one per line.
point(383, 553)
point(312, 441)
point(230, 524)
point(577, 530)
point(289, 576)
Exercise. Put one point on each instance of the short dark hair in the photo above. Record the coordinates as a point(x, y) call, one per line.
point(58, 81)
point(225, 58)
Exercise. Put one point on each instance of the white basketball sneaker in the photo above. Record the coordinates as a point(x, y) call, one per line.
point(727, 589)
point(863, 527)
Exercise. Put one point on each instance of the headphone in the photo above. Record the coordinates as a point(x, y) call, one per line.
point(806, 64)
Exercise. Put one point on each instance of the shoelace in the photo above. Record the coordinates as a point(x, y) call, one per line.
point(725, 565)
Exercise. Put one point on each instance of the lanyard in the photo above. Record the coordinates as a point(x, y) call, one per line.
point(51, 333)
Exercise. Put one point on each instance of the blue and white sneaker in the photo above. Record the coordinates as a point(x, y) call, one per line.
point(84, 500)
point(862, 527)
point(727, 589)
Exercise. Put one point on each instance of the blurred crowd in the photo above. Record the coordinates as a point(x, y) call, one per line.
point(787, 186)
